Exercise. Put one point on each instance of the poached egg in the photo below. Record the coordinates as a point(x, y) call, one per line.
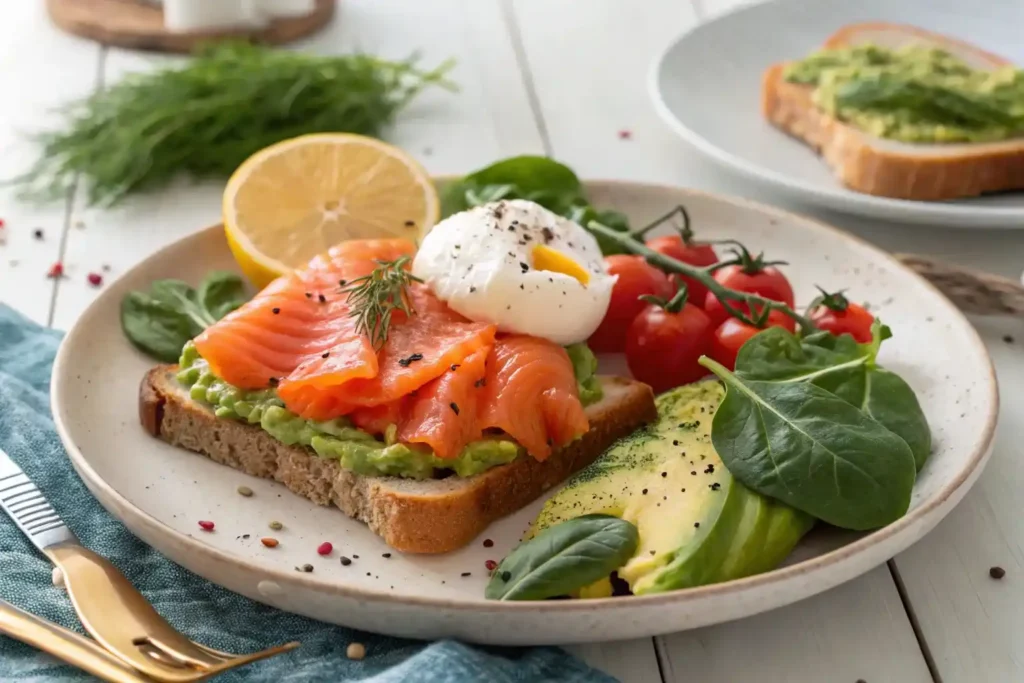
point(519, 266)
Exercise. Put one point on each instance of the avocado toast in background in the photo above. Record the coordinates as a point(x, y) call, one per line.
point(899, 112)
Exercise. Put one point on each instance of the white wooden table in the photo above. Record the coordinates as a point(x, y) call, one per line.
point(564, 77)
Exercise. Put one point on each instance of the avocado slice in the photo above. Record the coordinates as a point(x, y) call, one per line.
point(697, 524)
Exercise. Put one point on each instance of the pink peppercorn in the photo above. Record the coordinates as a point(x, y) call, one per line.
point(56, 270)
point(625, 134)
point(491, 565)
point(324, 549)
point(95, 279)
point(206, 526)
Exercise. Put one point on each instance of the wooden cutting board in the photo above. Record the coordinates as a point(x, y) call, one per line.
point(140, 25)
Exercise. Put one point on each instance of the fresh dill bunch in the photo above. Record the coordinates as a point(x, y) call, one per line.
point(374, 297)
point(205, 118)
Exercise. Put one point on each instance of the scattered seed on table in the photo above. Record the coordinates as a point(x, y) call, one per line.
point(466, 574)
point(245, 491)
point(276, 526)
point(57, 577)
point(625, 134)
point(206, 525)
point(56, 270)
point(307, 568)
point(386, 556)
point(997, 572)
point(1008, 338)
point(324, 548)
point(95, 279)
point(491, 565)
point(488, 543)
point(355, 651)
point(345, 561)
point(269, 542)
point(38, 233)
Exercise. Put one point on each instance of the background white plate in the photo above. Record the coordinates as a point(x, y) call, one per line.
point(707, 86)
point(161, 492)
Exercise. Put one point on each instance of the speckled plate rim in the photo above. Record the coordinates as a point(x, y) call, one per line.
point(837, 198)
point(896, 536)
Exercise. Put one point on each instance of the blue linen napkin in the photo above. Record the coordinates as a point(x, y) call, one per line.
point(202, 610)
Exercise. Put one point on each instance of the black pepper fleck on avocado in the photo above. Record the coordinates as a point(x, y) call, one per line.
point(716, 486)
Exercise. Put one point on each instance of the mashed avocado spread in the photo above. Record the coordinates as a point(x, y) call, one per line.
point(914, 93)
point(355, 449)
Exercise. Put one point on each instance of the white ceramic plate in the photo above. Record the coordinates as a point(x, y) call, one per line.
point(707, 86)
point(161, 492)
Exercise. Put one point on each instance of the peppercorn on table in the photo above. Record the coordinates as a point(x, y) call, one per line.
point(529, 84)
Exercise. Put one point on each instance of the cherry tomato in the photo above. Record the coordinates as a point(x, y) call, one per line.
point(693, 253)
point(732, 334)
point(768, 282)
point(636, 278)
point(837, 315)
point(662, 346)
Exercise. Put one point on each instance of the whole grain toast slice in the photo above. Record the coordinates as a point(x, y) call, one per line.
point(413, 516)
point(889, 168)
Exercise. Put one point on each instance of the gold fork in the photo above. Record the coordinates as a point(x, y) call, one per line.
point(124, 622)
point(110, 608)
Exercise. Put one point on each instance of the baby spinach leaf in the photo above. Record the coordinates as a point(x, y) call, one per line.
point(221, 292)
point(160, 321)
point(539, 179)
point(564, 558)
point(845, 368)
point(155, 327)
point(810, 449)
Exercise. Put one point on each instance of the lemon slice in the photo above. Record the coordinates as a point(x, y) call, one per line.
point(297, 198)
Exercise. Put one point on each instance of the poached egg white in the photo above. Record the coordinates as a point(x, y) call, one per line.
point(515, 264)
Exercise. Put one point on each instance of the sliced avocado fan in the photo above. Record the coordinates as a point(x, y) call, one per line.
point(697, 524)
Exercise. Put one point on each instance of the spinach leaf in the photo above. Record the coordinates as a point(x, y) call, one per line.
point(845, 368)
point(564, 558)
point(221, 292)
point(160, 321)
point(538, 179)
point(155, 327)
point(814, 451)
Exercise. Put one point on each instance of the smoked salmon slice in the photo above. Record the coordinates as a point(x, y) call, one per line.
point(441, 379)
point(444, 414)
point(530, 393)
point(289, 326)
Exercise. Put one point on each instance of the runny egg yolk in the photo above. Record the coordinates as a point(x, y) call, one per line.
point(552, 260)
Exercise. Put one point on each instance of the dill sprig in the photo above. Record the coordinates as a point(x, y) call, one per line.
point(205, 118)
point(374, 297)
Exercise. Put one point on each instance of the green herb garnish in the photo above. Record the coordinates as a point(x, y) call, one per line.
point(375, 297)
point(206, 118)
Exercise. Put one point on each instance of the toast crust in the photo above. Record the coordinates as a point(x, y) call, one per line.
point(432, 516)
point(882, 167)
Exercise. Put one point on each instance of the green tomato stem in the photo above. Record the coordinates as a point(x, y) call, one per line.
point(760, 305)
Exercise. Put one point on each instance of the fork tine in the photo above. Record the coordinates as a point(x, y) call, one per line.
point(236, 662)
point(215, 653)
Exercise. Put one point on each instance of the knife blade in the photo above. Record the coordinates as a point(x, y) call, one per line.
point(24, 503)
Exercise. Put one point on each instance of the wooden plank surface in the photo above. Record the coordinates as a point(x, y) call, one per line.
point(591, 84)
point(40, 68)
